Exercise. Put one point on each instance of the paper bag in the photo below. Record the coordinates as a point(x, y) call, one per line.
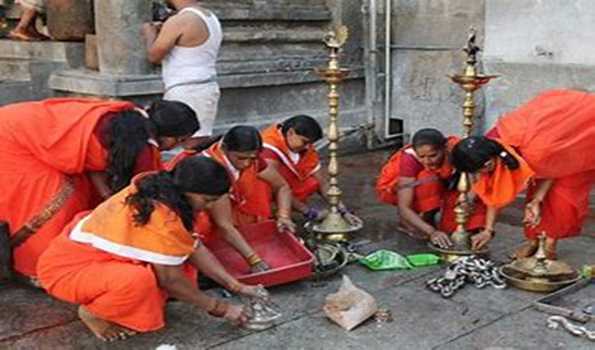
point(350, 306)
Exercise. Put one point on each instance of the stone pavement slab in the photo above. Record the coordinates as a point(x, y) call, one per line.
point(421, 321)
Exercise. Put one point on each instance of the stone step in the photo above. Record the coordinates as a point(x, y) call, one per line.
point(15, 69)
point(275, 13)
point(263, 10)
point(245, 34)
point(15, 91)
point(72, 53)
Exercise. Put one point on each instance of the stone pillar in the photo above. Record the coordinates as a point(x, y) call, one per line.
point(120, 45)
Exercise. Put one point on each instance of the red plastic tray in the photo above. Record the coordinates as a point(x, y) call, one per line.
point(288, 258)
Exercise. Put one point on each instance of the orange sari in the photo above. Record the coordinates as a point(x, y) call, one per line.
point(44, 146)
point(250, 196)
point(555, 135)
point(429, 192)
point(103, 260)
point(299, 175)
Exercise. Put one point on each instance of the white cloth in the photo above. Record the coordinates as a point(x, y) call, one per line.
point(203, 99)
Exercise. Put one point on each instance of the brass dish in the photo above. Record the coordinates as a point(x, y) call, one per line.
point(519, 280)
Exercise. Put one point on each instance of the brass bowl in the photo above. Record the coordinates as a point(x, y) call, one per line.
point(451, 255)
point(330, 259)
point(537, 284)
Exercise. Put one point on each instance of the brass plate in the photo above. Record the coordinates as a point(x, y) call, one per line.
point(535, 284)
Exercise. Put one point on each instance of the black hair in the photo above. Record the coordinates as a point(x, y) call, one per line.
point(195, 174)
point(471, 154)
point(242, 139)
point(125, 138)
point(428, 137)
point(303, 125)
point(173, 118)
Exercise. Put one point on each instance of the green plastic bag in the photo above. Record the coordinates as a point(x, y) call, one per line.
point(419, 260)
point(385, 260)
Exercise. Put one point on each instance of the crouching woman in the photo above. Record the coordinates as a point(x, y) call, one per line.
point(122, 261)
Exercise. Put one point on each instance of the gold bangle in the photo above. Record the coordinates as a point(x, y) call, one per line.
point(253, 259)
point(234, 287)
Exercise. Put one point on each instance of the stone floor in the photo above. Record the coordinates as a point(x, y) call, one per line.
point(472, 319)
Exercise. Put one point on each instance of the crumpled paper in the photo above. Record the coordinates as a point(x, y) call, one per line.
point(350, 306)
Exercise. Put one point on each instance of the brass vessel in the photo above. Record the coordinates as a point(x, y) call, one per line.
point(539, 274)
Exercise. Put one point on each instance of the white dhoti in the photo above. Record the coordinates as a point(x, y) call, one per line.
point(202, 98)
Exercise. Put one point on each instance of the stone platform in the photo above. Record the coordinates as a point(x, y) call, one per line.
point(472, 319)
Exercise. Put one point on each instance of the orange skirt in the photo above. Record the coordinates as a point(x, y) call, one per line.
point(119, 290)
point(564, 208)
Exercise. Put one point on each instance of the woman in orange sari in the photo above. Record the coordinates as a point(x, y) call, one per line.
point(415, 180)
point(249, 200)
point(546, 145)
point(50, 149)
point(289, 148)
point(122, 261)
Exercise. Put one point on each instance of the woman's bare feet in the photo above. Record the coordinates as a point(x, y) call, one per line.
point(104, 330)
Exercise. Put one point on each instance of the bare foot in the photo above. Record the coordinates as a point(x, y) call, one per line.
point(104, 330)
point(21, 35)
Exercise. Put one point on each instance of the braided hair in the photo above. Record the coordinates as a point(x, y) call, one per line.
point(196, 174)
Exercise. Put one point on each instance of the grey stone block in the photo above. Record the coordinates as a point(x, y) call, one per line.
point(69, 53)
point(519, 82)
point(540, 31)
point(15, 91)
point(423, 96)
point(436, 22)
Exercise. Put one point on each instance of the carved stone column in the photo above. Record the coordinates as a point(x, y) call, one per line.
point(121, 48)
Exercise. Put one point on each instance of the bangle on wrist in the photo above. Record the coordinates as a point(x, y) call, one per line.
point(253, 259)
point(219, 309)
point(234, 287)
point(281, 214)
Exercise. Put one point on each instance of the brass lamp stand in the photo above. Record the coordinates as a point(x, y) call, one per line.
point(334, 227)
point(469, 81)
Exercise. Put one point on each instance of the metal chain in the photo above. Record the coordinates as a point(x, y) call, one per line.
point(468, 269)
point(553, 322)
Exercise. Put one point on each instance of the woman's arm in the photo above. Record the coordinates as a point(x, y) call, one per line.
point(533, 208)
point(100, 180)
point(283, 196)
point(177, 285)
point(222, 216)
point(405, 192)
point(479, 240)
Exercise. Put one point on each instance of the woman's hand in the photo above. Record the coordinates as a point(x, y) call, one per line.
point(257, 292)
point(236, 314)
point(532, 213)
point(285, 224)
point(479, 240)
point(260, 266)
point(440, 239)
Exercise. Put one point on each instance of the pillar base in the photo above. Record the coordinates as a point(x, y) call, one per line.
point(93, 83)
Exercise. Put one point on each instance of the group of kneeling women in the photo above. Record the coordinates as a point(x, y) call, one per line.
point(102, 222)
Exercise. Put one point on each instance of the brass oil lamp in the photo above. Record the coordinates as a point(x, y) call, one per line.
point(335, 227)
point(470, 81)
